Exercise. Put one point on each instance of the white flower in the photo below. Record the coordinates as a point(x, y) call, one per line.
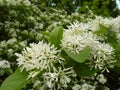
point(116, 24)
point(33, 74)
point(4, 64)
point(77, 37)
point(102, 55)
point(74, 43)
point(76, 87)
point(15, 2)
point(94, 24)
point(59, 79)
point(36, 83)
point(41, 56)
point(76, 28)
point(103, 50)
point(86, 86)
point(50, 79)
point(101, 79)
point(27, 2)
point(12, 41)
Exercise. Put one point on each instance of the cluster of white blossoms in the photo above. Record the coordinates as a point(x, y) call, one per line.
point(116, 27)
point(45, 65)
point(114, 23)
point(79, 35)
point(58, 80)
point(101, 79)
point(94, 24)
point(102, 56)
point(4, 64)
point(38, 56)
point(15, 2)
point(84, 86)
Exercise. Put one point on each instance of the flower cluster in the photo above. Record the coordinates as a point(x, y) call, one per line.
point(101, 79)
point(84, 86)
point(38, 56)
point(15, 2)
point(80, 35)
point(4, 64)
point(94, 24)
point(20, 19)
point(41, 61)
point(48, 68)
point(75, 38)
point(112, 23)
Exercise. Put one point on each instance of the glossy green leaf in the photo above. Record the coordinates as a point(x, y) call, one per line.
point(56, 36)
point(16, 81)
point(81, 56)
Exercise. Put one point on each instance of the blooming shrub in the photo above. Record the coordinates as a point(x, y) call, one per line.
point(23, 22)
point(78, 57)
point(43, 49)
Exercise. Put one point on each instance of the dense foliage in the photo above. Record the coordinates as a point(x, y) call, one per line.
point(56, 45)
point(99, 7)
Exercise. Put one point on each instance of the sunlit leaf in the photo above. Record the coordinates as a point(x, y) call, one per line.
point(16, 81)
point(56, 36)
point(81, 56)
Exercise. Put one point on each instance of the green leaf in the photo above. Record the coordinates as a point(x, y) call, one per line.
point(45, 34)
point(56, 36)
point(81, 56)
point(111, 39)
point(16, 81)
point(83, 70)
